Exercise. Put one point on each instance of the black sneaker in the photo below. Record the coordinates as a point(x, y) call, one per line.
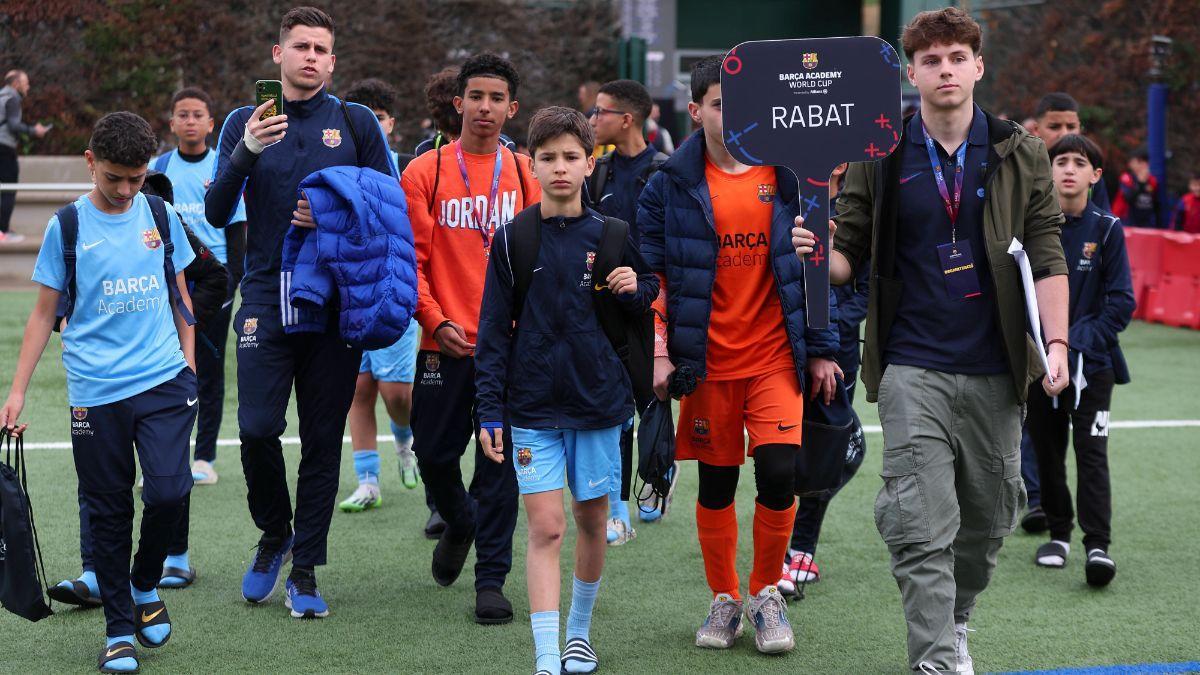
point(1100, 569)
point(1034, 520)
point(1052, 554)
point(491, 607)
point(435, 526)
point(450, 555)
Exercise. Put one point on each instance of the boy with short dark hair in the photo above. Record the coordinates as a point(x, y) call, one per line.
point(1102, 306)
point(1056, 115)
point(1137, 193)
point(557, 378)
point(131, 381)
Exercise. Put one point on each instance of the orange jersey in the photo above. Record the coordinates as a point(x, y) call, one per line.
point(746, 334)
point(451, 254)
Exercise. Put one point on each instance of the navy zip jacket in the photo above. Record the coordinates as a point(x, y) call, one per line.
point(678, 239)
point(317, 138)
point(556, 369)
point(1102, 301)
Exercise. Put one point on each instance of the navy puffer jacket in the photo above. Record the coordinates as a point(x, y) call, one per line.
point(679, 240)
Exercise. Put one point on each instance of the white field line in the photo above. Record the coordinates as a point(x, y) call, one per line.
point(871, 429)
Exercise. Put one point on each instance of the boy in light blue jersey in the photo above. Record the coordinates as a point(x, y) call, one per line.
point(131, 382)
point(190, 167)
point(389, 371)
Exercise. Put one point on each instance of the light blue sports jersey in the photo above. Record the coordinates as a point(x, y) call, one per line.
point(189, 181)
point(121, 339)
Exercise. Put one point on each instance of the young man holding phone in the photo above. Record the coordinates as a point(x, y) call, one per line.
point(269, 157)
point(947, 356)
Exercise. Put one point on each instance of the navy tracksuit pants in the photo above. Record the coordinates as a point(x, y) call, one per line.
point(210, 351)
point(443, 424)
point(323, 369)
point(158, 423)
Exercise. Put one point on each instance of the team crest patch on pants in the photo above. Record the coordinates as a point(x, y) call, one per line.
point(524, 456)
point(700, 426)
point(79, 413)
point(331, 137)
point(433, 362)
point(250, 325)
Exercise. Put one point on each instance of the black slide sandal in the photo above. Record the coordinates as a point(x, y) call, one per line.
point(78, 594)
point(120, 650)
point(188, 576)
point(147, 615)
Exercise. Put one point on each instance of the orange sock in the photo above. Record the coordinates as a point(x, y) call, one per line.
point(717, 530)
point(772, 532)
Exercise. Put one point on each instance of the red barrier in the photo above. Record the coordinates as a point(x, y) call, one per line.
point(1166, 276)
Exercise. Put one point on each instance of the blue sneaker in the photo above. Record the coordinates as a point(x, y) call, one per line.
point(653, 509)
point(303, 598)
point(261, 580)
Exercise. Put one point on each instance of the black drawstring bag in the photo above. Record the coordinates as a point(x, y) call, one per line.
point(656, 451)
point(22, 576)
point(828, 429)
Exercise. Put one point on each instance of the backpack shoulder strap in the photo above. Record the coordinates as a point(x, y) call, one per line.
point(160, 164)
point(599, 178)
point(353, 132)
point(68, 227)
point(520, 176)
point(158, 207)
point(523, 247)
point(437, 177)
point(608, 258)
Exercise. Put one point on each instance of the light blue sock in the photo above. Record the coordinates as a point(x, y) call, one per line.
point(156, 634)
point(583, 599)
point(181, 561)
point(403, 435)
point(366, 465)
point(89, 577)
point(545, 641)
point(124, 664)
point(618, 508)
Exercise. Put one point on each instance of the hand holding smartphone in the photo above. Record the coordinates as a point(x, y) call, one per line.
point(268, 124)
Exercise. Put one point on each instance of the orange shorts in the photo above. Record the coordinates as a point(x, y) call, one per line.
point(770, 408)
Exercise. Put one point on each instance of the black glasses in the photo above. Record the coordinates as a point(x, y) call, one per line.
point(604, 111)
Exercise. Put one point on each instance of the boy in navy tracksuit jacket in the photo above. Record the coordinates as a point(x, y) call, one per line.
point(270, 157)
point(1102, 305)
point(558, 380)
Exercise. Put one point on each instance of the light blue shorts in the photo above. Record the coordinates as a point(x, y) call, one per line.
point(397, 363)
point(588, 461)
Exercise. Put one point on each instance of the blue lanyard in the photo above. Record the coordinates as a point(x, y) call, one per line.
point(480, 214)
point(951, 202)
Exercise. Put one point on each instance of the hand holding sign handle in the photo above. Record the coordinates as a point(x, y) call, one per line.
point(809, 105)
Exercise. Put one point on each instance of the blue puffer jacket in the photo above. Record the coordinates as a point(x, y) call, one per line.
point(679, 240)
point(362, 251)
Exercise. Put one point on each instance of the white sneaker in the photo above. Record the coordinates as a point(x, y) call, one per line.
point(965, 663)
point(767, 612)
point(723, 625)
point(203, 473)
point(409, 475)
point(367, 496)
point(619, 533)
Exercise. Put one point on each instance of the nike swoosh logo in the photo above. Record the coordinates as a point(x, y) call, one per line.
point(94, 244)
point(539, 269)
point(192, 401)
point(787, 428)
point(146, 618)
point(109, 654)
point(602, 481)
point(905, 179)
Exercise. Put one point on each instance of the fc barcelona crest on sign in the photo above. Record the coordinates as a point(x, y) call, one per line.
point(151, 239)
point(331, 137)
point(250, 325)
point(766, 192)
point(79, 413)
point(809, 60)
point(524, 456)
point(433, 362)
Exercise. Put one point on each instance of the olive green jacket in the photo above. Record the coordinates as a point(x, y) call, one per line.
point(1021, 202)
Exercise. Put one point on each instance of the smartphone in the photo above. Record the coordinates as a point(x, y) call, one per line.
point(269, 90)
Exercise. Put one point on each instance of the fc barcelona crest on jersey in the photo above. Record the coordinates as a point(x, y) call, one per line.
point(591, 259)
point(809, 60)
point(524, 456)
point(79, 413)
point(766, 192)
point(151, 239)
point(700, 426)
point(250, 325)
point(331, 137)
point(433, 362)
point(1089, 249)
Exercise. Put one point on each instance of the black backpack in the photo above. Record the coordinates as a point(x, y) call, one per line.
point(603, 173)
point(632, 337)
point(22, 574)
point(68, 224)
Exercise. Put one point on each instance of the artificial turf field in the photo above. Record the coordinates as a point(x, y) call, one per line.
point(389, 616)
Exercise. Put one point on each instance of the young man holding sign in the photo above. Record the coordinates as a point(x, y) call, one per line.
point(946, 356)
point(717, 231)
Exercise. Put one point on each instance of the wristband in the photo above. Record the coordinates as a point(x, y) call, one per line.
point(442, 325)
point(252, 144)
point(1059, 341)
